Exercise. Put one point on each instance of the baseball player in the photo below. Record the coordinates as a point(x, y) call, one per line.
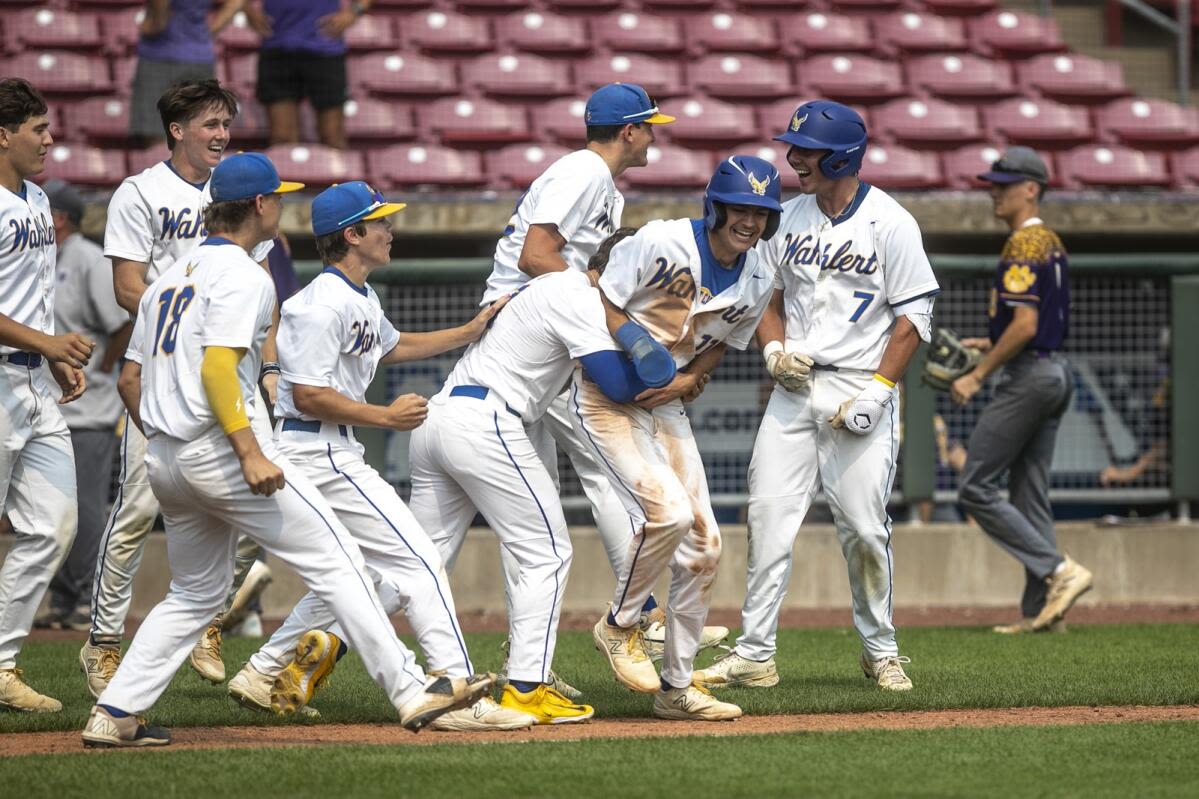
point(557, 225)
point(853, 298)
point(695, 287)
point(37, 466)
point(154, 218)
point(193, 372)
point(332, 337)
point(475, 453)
point(1029, 314)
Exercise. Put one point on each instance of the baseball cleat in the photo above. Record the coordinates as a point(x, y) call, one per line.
point(99, 663)
point(693, 703)
point(887, 672)
point(206, 656)
point(441, 695)
point(1066, 586)
point(106, 731)
point(553, 679)
point(545, 705)
point(315, 658)
point(626, 655)
point(257, 579)
point(653, 631)
point(732, 669)
point(15, 694)
point(251, 689)
point(1025, 626)
point(486, 714)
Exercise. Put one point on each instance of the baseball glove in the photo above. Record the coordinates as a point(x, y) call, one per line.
point(948, 359)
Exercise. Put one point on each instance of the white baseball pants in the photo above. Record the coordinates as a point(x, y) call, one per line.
point(37, 491)
point(401, 559)
point(655, 468)
point(796, 451)
point(475, 454)
point(204, 500)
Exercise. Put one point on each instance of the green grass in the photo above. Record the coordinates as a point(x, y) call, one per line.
point(952, 668)
point(1143, 760)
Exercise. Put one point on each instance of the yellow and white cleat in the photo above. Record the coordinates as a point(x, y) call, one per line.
point(545, 705)
point(314, 661)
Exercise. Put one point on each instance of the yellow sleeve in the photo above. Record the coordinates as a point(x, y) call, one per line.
point(218, 374)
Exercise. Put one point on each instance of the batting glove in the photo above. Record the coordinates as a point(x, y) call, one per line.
point(860, 414)
point(791, 370)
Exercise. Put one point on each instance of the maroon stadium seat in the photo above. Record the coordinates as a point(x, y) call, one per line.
point(241, 73)
point(315, 164)
point(100, 119)
point(672, 168)
point(85, 165)
point(1186, 167)
point(238, 35)
point(960, 7)
point(407, 74)
point(742, 76)
point(42, 28)
point(518, 165)
point(590, 6)
point(119, 30)
point(962, 76)
point(1072, 77)
point(1015, 32)
point(370, 119)
point(927, 121)
point(851, 77)
point(965, 164)
point(252, 128)
point(61, 72)
point(774, 117)
point(490, 6)
point(822, 32)
point(776, 153)
point(706, 122)
point(437, 30)
point(1147, 121)
point(1038, 122)
point(723, 31)
point(409, 165)
point(1114, 165)
point(461, 120)
point(542, 32)
point(921, 32)
point(660, 77)
point(560, 121)
point(873, 6)
point(679, 5)
point(517, 76)
point(372, 32)
point(771, 5)
point(628, 31)
point(895, 167)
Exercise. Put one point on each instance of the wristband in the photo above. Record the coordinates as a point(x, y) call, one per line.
point(770, 349)
point(884, 381)
point(269, 368)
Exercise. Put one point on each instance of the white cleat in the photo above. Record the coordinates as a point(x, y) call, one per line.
point(887, 672)
point(484, 715)
point(106, 731)
point(206, 656)
point(1065, 587)
point(627, 656)
point(653, 631)
point(99, 663)
point(693, 703)
point(441, 695)
point(732, 669)
point(15, 694)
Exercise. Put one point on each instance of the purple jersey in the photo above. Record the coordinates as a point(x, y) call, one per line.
point(1033, 272)
point(185, 38)
point(294, 26)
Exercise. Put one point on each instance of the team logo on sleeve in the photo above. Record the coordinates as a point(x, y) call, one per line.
point(1018, 278)
point(759, 186)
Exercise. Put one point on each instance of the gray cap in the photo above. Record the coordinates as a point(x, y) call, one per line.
point(66, 198)
point(1017, 164)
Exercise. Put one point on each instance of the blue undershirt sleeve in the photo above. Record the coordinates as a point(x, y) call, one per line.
point(615, 375)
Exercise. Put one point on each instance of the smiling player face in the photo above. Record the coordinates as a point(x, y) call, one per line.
point(745, 226)
point(27, 147)
point(806, 164)
point(204, 137)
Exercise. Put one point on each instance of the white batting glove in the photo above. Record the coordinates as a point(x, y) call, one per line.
point(791, 370)
point(860, 414)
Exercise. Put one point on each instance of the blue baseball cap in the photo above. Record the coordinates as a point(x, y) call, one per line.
point(346, 204)
point(246, 175)
point(623, 104)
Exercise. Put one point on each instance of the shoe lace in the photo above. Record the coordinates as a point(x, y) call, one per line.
point(212, 639)
point(892, 669)
point(553, 697)
point(636, 645)
point(701, 689)
point(108, 662)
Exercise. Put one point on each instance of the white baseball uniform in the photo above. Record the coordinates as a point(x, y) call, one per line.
point(332, 334)
point(154, 217)
point(221, 297)
point(844, 284)
point(37, 465)
point(650, 456)
point(474, 452)
point(578, 196)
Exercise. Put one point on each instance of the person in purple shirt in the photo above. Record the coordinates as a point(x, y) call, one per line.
point(174, 45)
point(303, 56)
point(1029, 316)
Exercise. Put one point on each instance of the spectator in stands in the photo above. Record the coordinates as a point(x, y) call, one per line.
point(304, 57)
point(84, 302)
point(1029, 313)
point(175, 45)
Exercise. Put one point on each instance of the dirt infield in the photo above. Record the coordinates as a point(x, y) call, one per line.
point(392, 735)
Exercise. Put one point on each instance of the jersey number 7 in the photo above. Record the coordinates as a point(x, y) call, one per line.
point(171, 303)
point(866, 297)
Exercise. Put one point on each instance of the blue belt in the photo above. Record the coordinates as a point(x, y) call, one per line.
point(306, 426)
point(30, 360)
point(824, 367)
point(478, 392)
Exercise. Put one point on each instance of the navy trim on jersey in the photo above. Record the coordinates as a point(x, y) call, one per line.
point(714, 276)
point(445, 605)
point(24, 192)
point(932, 293)
point(333, 270)
point(854, 205)
point(199, 186)
point(216, 241)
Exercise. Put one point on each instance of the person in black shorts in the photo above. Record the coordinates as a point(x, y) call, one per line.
point(1029, 312)
point(303, 57)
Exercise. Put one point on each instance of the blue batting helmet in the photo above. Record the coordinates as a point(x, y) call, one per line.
point(825, 125)
point(743, 180)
